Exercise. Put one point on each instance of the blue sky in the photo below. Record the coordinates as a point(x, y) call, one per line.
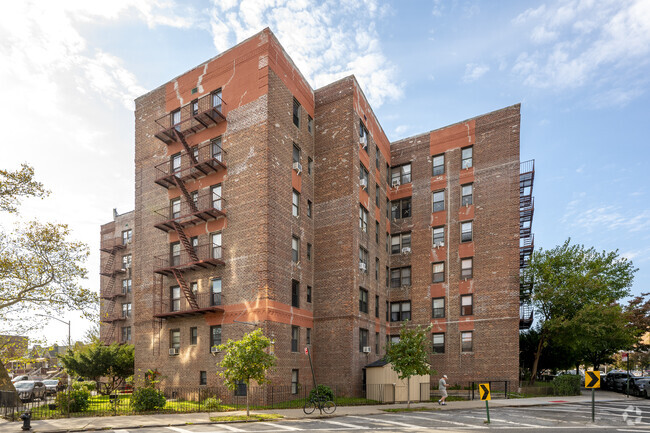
point(69, 71)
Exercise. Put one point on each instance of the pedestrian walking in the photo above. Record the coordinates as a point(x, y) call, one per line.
point(442, 387)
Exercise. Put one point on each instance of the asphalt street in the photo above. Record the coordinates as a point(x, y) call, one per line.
point(622, 416)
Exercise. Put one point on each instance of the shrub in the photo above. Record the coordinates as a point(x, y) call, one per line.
point(324, 392)
point(146, 399)
point(211, 403)
point(566, 384)
point(79, 400)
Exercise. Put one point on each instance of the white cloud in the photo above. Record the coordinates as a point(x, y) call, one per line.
point(325, 39)
point(605, 219)
point(474, 71)
point(583, 43)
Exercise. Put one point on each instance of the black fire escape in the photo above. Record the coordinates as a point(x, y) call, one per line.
point(112, 292)
point(191, 207)
point(526, 241)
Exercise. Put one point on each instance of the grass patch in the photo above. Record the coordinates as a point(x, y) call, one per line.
point(408, 409)
point(253, 417)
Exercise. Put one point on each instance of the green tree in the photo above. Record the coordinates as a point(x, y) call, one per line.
point(410, 355)
point(245, 360)
point(568, 278)
point(17, 184)
point(94, 361)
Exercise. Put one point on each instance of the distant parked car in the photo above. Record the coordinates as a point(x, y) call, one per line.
point(52, 386)
point(19, 378)
point(617, 380)
point(640, 386)
point(28, 390)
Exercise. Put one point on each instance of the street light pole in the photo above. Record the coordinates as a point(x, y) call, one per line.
point(69, 348)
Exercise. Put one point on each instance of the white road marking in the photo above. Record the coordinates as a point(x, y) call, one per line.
point(442, 420)
point(231, 428)
point(401, 424)
point(280, 426)
point(180, 430)
point(342, 424)
point(520, 424)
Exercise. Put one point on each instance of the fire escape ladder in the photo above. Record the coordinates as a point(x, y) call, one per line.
point(189, 295)
point(185, 241)
point(186, 194)
point(187, 147)
point(108, 267)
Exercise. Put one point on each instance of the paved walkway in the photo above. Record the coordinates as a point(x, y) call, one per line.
point(137, 421)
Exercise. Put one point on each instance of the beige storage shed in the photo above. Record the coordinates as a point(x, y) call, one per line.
point(382, 384)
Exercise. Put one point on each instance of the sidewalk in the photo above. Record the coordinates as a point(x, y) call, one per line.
point(137, 421)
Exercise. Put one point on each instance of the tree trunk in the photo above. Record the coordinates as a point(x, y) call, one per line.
point(248, 414)
point(408, 392)
point(538, 354)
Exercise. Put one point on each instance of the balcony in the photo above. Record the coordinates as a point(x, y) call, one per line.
point(194, 117)
point(112, 294)
point(111, 245)
point(525, 314)
point(207, 206)
point(115, 271)
point(114, 318)
point(209, 159)
point(173, 308)
point(205, 256)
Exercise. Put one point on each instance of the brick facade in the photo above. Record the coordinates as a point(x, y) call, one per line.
point(340, 223)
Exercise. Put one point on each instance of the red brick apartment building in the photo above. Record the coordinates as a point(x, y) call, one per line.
point(262, 202)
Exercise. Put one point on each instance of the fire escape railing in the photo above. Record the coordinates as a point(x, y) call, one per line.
point(181, 307)
point(205, 206)
point(196, 116)
point(526, 241)
point(202, 161)
point(202, 256)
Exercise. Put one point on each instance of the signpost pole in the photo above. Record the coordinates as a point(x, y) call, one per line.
point(592, 380)
point(628, 376)
point(487, 409)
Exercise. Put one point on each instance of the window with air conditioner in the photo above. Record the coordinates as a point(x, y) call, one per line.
point(363, 136)
point(126, 261)
point(363, 259)
point(363, 339)
point(363, 177)
point(438, 236)
point(127, 236)
point(296, 153)
point(401, 175)
point(174, 341)
point(400, 243)
point(466, 157)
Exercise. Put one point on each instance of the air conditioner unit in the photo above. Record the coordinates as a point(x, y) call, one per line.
point(363, 183)
point(396, 182)
point(173, 351)
point(362, 139)
point(298, 167)
point(406, 250)
point(366, 349)
point(215, 349)
point(362, 267)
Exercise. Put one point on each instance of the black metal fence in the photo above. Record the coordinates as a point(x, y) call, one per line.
point(470, 390)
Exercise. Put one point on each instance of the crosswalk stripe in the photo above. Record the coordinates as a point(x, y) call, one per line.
point(280, 426)
point(401, 424)
point(231, 428)
point(179, 430)
point(444, 420)
point(342, 424)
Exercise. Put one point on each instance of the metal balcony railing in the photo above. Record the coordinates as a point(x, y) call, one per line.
point(208, 206)
point(114, 318)
point(209, 157)
point(181, 307)
point(205, 256)
point(195, 116)
point(112, 244)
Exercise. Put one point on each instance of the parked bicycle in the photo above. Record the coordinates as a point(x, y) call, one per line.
point(323, 405)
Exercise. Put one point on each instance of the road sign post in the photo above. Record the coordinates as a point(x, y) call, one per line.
point(592, 380)
point(484, 392)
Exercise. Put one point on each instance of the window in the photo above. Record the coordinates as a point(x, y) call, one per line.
point(466, 231)
point(126, 334)
point(399, 242)
point(376, 305)
point(194, 105)
point(175, 338)
point(400, 175)
point(215, 291)
point(126, 286)
point(310, 166)
point(175, 207)
point(363, 219)
point(295, 293)
point(296, 153)
point(394, 339)
point(387, 277)
point(466, 305)
point(194, 287)
point(216, 99)
point(127, 236)
point(310, 124)
point(308, 336)
point(400, 277)
point(387, 174)
point(466, 268)
point(295, 337)
point(466, 198)
point(295, 249)
point(363, 259)
point(466, 156)
point(216, 245)
point(309, 208)
point(377, 268)
point(438, 236)
point(377, 157)
point(195, 197)
point(296, 112)
point(387, 312)
point(363, 136)
point(363, 300)
point(215, 148)
point(215, 193)
point(377, 232)
point(363, 339)
point(296, 203)
point(215, 335)
point(126, 261)
point(438, 165)
point(175, 295)
point(438, 201)
point(400, 311)
point(401, 208)
point(309, 251)
point(175, 163)
point(126, 310)
point(195, 153)
point(387, 243)
point(438, 272)
point(376, 342)
point(176, 119)
point(466, 341)
point(387, 208)
point(194, 335)
point(294, 381)
point(438, 343)
point(377, 191)
point(203, 377)
point(309, 294)
point(438, 308)
point(363, 177)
